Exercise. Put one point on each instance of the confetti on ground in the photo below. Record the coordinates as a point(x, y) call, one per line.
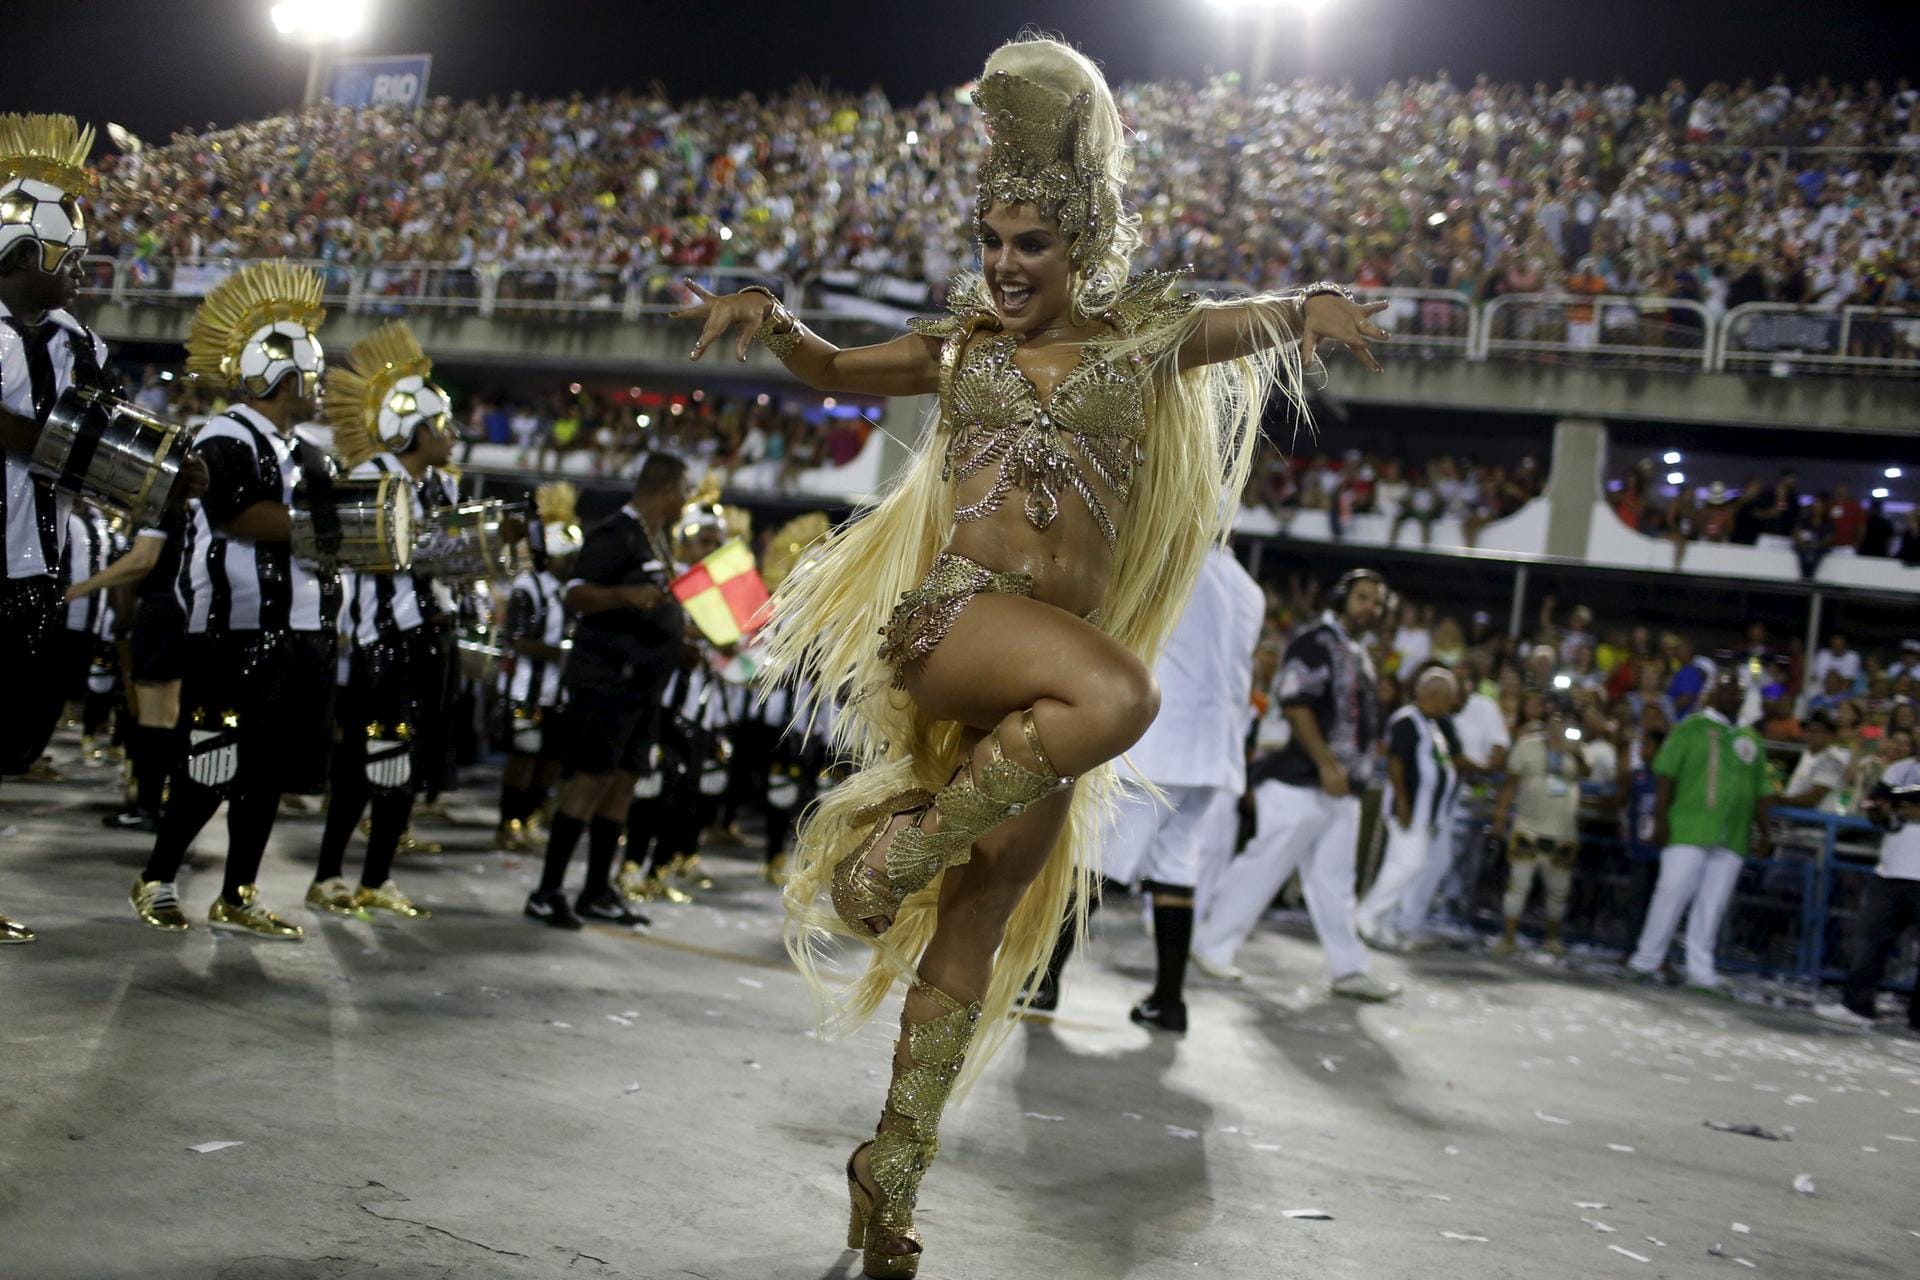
point(1897, 1137)
point(755, 983)
point(1746, 1130)
point(1748, 1265)
point(1590, 1204)
point(564, 1026)
point(1175, 1131)
point(619, 1021)
point(632, 1088)
point(1266, 1146)
point(1436, 1196)
point(1330, 1065)
point(1455, 1235)
point(1309, 1215)
point(1743, 1228)
point(1804, 1184)
point(1035, 1115)
point(1453, 1151)
point(1541, 1115)
point(1628, 1253)
point(206, 1147)
point(1624, 1150)
point(1599, 1226)
point(1658, 1244)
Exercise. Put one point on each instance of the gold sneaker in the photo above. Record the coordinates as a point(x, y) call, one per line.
point(157, 903)
point(630, 882)
point(409, 843)
point(43, 770)
point(511, 836)
point(388, 898)
point(334, 895)
point(14, 931)
point(687, 867)
point(252, 918)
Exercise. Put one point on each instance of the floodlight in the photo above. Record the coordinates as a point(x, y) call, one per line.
point(1671, 457)
point(319, 20)
point(1674, 477)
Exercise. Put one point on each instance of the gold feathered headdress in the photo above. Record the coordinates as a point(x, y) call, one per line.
point(1038, 153)
point(789, 544)
point(46, 148)
point(559, 517)
point(359, 387)
point(240, 333)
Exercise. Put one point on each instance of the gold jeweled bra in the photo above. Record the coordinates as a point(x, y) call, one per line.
point(1092, 427)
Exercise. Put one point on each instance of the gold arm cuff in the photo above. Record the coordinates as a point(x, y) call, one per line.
point(780, 333)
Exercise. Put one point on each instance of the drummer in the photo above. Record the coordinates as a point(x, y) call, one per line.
point(258, 694)
point(388, 418)
point(44, 351)
point(536, 632)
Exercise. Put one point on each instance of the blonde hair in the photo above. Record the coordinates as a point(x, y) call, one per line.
point(1058, 65)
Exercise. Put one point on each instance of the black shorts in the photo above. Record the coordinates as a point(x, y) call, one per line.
point(34, 652)
point(277, 687)
point(159, 640)
point(609, 730)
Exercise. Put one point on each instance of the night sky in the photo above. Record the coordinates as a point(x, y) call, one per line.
point(158, 65)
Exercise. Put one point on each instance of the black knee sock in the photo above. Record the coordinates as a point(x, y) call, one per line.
point(152, 752)
point(189, 807)
point(560, 842)
point(250, 815)
point(95, 711)
point(603, 846)
point(513, 804)
point(1172, 939)
point(344, 807)
point(391, 812)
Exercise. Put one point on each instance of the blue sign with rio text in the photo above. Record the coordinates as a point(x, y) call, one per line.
point(396, 81)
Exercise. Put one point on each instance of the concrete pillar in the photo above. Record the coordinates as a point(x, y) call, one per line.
point(1575, 484)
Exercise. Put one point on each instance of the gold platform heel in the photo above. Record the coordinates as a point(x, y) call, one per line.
point(908, 1137)
point(973, 802)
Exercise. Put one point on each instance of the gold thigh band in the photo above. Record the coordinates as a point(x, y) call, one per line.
point(925, 614)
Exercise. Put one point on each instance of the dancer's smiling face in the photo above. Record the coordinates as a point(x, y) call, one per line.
point(1024, 259)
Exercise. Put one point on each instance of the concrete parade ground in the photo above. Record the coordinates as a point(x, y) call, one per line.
point(476, 1095)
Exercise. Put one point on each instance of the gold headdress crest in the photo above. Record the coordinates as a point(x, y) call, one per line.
point(556, 503)
point(257, 295)
point(46, 148)
point(1038, 153)
point(359, 387)
point(790, 544)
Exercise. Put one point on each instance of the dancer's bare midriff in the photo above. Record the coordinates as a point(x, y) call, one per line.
point(1069, 561)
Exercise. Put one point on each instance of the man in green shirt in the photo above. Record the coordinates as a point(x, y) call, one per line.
point(1711, 780)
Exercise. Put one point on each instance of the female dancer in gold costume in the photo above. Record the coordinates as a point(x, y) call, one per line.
point(990, 625)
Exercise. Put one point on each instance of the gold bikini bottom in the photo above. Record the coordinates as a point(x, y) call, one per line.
point(925, 614)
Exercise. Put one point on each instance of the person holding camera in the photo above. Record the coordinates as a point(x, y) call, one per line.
point(1537, 815)
point(1891, 904)
point(1711, 797)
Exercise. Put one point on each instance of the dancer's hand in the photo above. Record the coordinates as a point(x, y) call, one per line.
point(722, 312)
point(1330, 316)
point(1333, 780)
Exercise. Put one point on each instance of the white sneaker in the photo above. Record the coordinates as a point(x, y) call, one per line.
point(1840, 1016)
point(1366, 987)
point(1218, 972)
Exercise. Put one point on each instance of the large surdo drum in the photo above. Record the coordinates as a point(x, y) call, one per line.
point(471, 542)
point(375, 515)
point(111, 452)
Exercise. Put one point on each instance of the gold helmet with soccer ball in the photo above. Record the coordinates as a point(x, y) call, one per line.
point(43, 175)
point(383, 396)
point(259, 327)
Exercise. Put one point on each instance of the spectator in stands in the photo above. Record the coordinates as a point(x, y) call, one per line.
point(1781, 512)
point(1837, 657)
point(1849, 517)
point(1876, 533)
point(1748, 523)
point(1690, 675)
point(1821, 771)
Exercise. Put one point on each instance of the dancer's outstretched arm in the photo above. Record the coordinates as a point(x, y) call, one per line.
point(1227, 333)
point(906, 366)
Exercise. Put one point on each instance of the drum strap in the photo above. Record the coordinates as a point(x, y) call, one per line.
point(318, 483)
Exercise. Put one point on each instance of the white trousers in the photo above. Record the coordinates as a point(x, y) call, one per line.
point(1296, 827)
point(1442, 847)
point(1698, 881)
point(1170, 842)
point(1401, 867)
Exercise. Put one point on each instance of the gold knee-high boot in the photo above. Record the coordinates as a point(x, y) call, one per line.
point(908, 1136)
point(972, 804)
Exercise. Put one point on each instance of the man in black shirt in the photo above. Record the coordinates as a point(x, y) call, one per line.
point(1306, 796)
point(628, 638)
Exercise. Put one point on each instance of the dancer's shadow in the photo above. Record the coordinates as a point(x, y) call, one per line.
point(1124, 1137)
point(1365, 1071)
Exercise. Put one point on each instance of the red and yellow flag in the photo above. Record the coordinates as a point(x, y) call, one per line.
point(723, 594)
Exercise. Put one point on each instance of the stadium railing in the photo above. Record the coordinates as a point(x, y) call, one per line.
point(1609, 331)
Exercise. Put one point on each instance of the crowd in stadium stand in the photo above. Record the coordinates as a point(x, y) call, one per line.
point(1416, 494)
point(1718, 195)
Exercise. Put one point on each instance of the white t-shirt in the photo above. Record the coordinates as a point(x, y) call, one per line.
point(1414, 645)
point(1821, 769)
point(1481, 728)
point(1900, 850)
point(1847, 664)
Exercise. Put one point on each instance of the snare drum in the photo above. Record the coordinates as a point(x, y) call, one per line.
point(376, 525)
point(110, 451)
point(471, 542)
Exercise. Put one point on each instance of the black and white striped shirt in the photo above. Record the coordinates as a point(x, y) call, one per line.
point(535, 612)
point(388, 603)
point(37, 364)
point(229, 583)
point(90, 545)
